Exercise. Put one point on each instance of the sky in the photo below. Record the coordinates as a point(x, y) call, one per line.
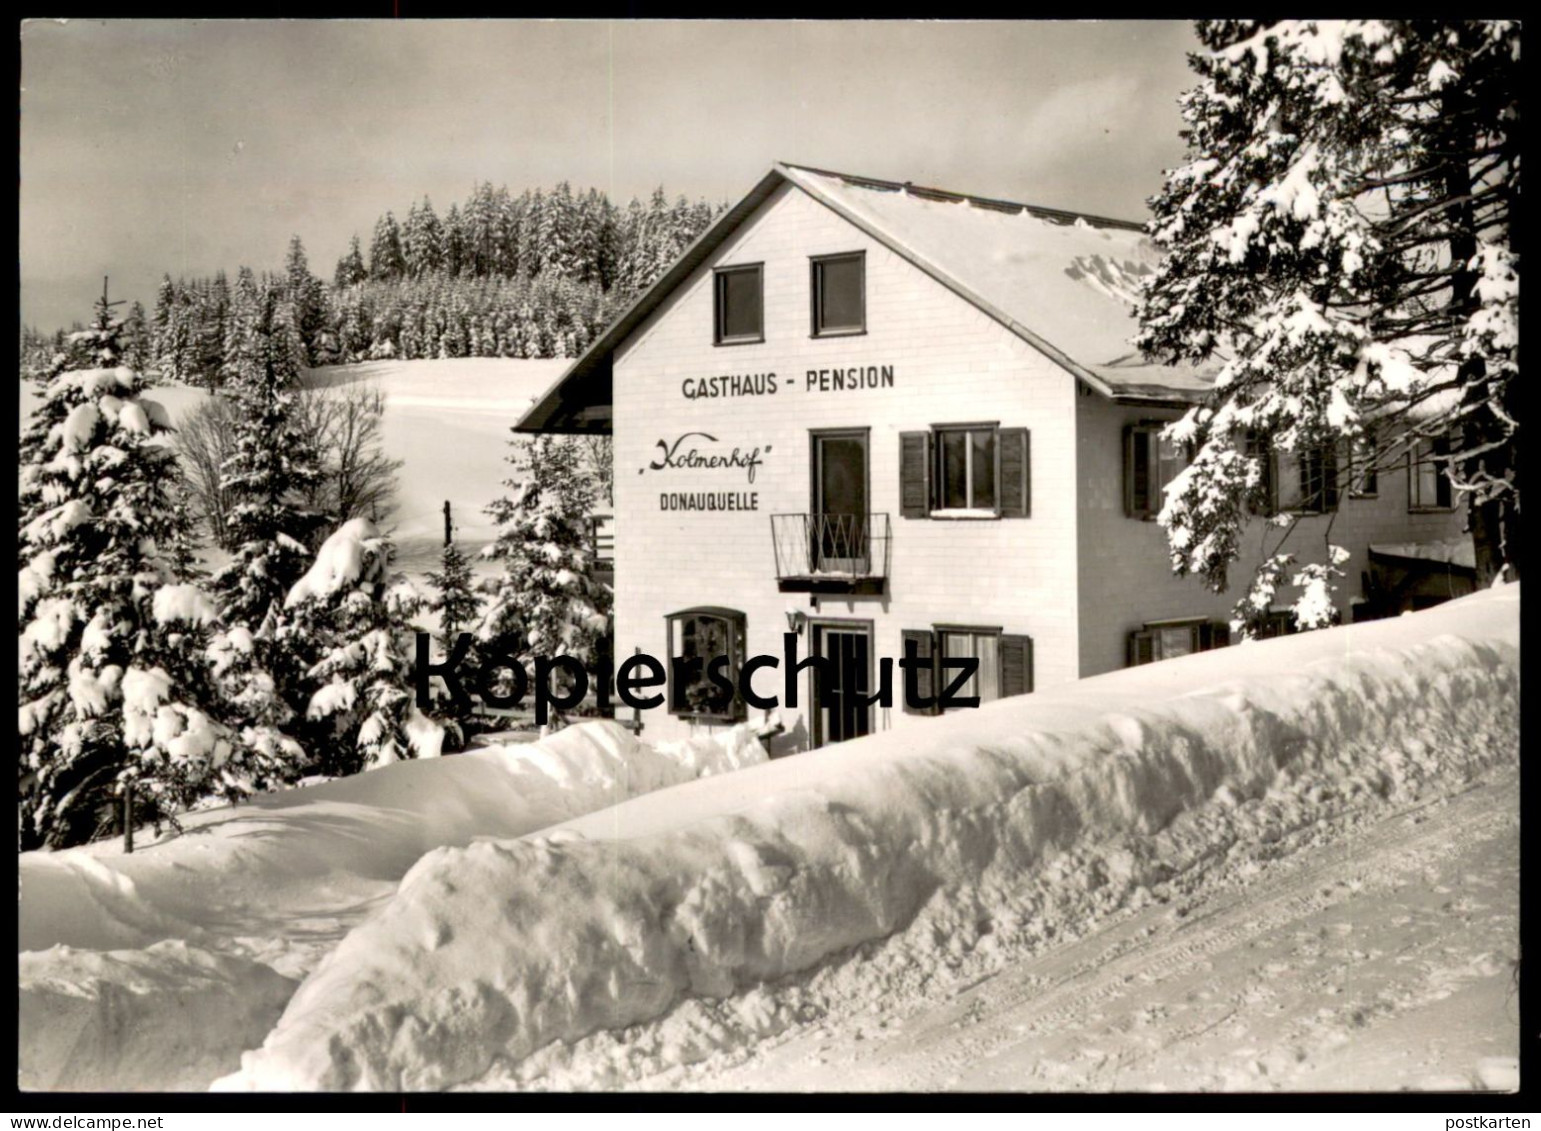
point(151, 147)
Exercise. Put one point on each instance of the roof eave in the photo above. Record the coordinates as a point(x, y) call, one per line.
point(1159, 398)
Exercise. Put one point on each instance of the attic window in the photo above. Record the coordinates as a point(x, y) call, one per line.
point(740, 305)
point(839, 293)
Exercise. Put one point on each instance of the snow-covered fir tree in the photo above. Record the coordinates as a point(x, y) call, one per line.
point(422, 240)
point(454, 241)
point(456, 602)
point(171, 343)
point(115, 689)
point(137, 353)
point(546, 601)
point(210, 315)
point(355, 619)
point(350, 268)
point(385, 256)
point(273, 467)
point(1341, 239)
point(303, 301)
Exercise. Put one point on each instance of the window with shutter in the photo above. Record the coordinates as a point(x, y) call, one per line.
point(1363, 476)
point(1428, 486)
point(1264, 500)
point(914, 474)
point(1310, 482)
point(925, 677)
point(1004, 662)
point(1214, 634)
point(966, 471)
point(1165, 640)
point(1329, 477)
point(1150, 465)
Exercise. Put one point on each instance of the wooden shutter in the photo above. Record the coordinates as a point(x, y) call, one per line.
point(925, 678)
point(1136, 471)
point(1441, 448)
point(1016, 665)
point(1366, 452)
point(1016, 473)
point(1329, 477)
point(1142, 648)
point(914, 474)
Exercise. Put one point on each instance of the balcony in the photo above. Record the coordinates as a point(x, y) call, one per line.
point(831, 553)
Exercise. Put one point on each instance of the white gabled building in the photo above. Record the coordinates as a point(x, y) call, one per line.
point(874, 413)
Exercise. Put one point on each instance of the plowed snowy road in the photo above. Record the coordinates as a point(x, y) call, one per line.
point(1380, 954)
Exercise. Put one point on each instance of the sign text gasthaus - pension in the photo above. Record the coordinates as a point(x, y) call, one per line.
point(838, 380)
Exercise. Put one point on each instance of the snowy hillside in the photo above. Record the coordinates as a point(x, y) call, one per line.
point(447, 420)
point(695, 922)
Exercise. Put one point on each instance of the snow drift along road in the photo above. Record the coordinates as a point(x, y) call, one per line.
point(935, 830)
point(252, 897)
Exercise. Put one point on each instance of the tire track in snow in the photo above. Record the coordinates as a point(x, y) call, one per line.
point(1318, 887)
point(1057, 1000)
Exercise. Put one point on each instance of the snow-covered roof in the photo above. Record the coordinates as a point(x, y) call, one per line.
point(1063, 281)
point(1066, 282)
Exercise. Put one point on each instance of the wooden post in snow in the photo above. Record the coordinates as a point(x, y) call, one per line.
point(128, 817)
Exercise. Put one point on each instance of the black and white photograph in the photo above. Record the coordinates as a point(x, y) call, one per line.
point(769, 556)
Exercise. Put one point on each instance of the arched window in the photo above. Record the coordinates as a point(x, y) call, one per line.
point(696, 638)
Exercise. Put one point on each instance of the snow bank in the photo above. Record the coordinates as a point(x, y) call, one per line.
point(936, 830)
point(168, 1018)
point(242, 872)
point(264, 890)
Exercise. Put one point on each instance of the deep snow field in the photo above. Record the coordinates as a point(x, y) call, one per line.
point(1289, 864)
point(448, 422)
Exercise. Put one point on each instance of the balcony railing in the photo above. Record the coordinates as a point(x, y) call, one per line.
point(831, 553)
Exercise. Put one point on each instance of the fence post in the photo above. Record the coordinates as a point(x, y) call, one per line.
point(128, 817)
